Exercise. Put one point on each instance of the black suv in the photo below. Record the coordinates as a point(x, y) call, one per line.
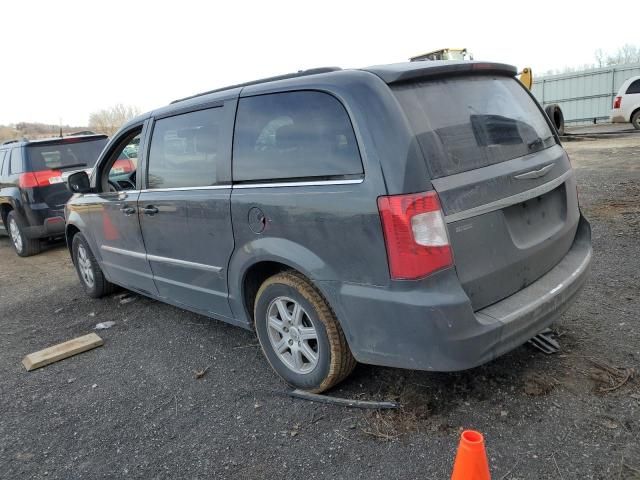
point(32, 188)
point(420, 215)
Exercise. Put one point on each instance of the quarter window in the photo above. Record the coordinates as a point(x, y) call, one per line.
point(186, 150)
point(122, 167)
point(293, 135)
point(634, 87)
point(16, 161)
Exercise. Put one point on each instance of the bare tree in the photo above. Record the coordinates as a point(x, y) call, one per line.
point(626, 54)
point(630, 53)
point(109, 120)
point(600, 57)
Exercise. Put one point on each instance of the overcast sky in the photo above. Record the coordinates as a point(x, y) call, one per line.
point(65, 59)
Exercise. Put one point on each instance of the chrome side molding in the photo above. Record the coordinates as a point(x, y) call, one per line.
point(157, 258)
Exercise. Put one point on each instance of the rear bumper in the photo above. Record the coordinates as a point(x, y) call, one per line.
point(430, 325)
point(618, 117)
point(44, 222)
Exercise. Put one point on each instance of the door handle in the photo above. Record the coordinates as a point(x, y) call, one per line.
point(150, 210)
point(127, 210)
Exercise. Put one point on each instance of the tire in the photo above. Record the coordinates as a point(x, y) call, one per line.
point(554, 112)
point(89, 272)
point(334, 361)
point(23, 245)
point(635, 120)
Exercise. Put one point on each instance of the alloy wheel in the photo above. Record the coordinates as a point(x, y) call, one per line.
point(85, 267)
point(16, 238)
point(292, 335)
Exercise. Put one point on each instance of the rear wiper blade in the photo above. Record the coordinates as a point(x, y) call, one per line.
point(535, 143)
point(538, 142)
point(74, 165)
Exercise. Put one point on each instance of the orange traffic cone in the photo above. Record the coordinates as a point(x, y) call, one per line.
point(471, 460)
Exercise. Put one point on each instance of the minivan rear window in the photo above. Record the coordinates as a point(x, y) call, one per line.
point(63, 155)
point(293, 135)
point(464, 123)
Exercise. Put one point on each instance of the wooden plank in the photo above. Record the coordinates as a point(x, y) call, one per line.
point(61, 351)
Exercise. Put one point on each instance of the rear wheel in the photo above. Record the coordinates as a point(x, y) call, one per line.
point(300, 335)
point(635, 120)
point(23, 245)
point(93, 280)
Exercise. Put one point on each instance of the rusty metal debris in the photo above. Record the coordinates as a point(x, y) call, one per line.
point(345, 402)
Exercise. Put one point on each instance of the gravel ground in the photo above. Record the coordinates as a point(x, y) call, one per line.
point(134, 407)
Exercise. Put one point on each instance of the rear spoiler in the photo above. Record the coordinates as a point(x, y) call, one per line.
point(65, 140)
point(411, 71)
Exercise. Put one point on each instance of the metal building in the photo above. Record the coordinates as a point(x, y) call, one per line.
point(585, 96)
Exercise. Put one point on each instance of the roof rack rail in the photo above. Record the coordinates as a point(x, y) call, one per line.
point(10, 141)
point(301, 73)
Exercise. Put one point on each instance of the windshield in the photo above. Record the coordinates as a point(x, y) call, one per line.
point(465, 123)
point(81, 154)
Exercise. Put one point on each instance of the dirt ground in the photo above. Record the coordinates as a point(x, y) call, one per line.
point(135, 409)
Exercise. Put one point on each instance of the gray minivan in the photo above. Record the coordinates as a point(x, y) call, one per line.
point(419, 215)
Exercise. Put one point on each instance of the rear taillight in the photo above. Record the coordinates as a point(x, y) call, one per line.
point(41, 178)
point(617, 102)
point(415, 234)
point(122, 166)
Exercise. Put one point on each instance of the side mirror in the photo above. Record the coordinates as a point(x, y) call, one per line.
point(78, 182)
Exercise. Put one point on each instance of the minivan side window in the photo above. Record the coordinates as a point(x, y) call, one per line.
point(186, 150)
point(2, 155)
point(634, 87)
point(293, 135)
point(16, 161)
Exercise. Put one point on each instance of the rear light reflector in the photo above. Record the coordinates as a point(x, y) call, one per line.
point(51, 220)
point(617, 102)
point(415, 235)
point(41, 178)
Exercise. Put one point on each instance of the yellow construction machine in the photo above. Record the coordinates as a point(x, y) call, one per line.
point(444, 54)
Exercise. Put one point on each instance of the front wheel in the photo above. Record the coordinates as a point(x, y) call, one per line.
point(300, 335)
point(93, 280)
